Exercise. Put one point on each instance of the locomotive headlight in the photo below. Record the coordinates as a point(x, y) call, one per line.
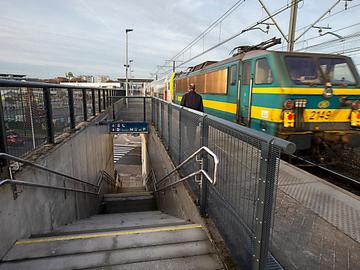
point(328, 91)
point(288, 104)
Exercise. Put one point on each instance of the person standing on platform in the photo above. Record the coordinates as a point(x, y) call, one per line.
point(192, 99)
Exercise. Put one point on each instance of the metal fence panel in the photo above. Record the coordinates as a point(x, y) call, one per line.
point(78, 106)
point(232, 203)
point(190, 132)
point(24, 119)
point(60, 109)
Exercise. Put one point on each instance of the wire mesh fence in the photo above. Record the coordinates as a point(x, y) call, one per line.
point(23, 118)
point(60, 110)
point(241, 204)
point(78, 106)
point(33, 114)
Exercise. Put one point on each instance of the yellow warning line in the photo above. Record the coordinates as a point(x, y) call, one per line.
point(106, 234)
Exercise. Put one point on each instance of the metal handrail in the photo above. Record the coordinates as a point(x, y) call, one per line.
point(102, 176)
point(11, 157)
point(31, 184)
point(201, 171)
point(15, 83)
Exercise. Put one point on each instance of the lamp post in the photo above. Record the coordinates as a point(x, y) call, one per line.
point(127, 62)
point(130, 83)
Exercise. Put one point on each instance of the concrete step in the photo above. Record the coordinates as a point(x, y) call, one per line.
point(125, 189)
point(127, 194)
point(114, 222)
point(129, 202)
point(113, 257)
point(202, 262)
point(92, 242)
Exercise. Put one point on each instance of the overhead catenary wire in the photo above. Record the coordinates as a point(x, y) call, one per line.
point(239, 33)
point(236, 5)
point(210, 27)
point(329, 16)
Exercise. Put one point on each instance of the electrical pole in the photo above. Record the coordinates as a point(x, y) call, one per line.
point(292, 25)
point(127, 63)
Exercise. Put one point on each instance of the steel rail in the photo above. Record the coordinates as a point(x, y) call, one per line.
point(343, 177)
point(10, 157)
point(201, 149)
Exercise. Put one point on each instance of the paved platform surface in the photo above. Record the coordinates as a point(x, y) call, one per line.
point(127, 160)
point(317, 225)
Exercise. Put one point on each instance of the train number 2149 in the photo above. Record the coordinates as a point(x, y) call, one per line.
point(320, 115)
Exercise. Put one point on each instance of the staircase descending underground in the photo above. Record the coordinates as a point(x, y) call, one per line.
point(129, 234)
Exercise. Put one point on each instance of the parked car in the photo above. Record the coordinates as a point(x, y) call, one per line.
point(13, 138)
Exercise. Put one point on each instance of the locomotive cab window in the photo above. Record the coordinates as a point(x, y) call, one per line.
point(302, 70)
point(263, 74)
point(336, 71)
point(233, 74)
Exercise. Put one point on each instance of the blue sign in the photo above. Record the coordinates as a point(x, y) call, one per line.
point(128, 127)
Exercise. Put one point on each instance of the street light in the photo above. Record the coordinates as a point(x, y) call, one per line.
point(127, 62)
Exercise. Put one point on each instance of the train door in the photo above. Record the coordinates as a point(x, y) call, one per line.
point(246, 93)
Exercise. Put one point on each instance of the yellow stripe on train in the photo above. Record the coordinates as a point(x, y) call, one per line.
point(274, 115)
point(304, 91)
point(310, 115)
point(217, 105)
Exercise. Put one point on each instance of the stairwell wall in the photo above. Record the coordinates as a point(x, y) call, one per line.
point(38, 210)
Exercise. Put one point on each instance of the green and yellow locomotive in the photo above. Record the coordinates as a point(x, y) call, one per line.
point(309, 98)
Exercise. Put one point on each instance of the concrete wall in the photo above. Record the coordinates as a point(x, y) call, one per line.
point(176, 201)
point(38, 210)
point(179, 200)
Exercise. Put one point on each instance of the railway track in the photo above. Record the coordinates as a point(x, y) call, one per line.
point(337, 177)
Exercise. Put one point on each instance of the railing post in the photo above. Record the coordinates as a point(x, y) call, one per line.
point(3, 144)
point(162, 119)
point(49, 115)
point(180, 124)
point(93, 102)
point(153, 111)
point(99, 100)
point(71, 108)
point(264, 205)
point(144, 108)
point(84, 104)
point(104, 99)
point(169, 126)
point(204, 138)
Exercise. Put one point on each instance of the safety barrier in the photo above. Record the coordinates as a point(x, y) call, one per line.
point(241, 204)
point(34, 113)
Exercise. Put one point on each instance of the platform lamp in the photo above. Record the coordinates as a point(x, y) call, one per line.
point(127, 62)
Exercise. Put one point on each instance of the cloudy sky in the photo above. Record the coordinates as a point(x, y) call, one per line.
point(48, 38)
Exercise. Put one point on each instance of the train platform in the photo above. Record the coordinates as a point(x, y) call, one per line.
point(316, 224)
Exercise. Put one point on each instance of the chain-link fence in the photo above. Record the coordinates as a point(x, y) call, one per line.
point(241, 204)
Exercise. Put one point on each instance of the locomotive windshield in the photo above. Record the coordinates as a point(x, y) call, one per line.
point(302, 70)
point(336, 71)
point(312, 71)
